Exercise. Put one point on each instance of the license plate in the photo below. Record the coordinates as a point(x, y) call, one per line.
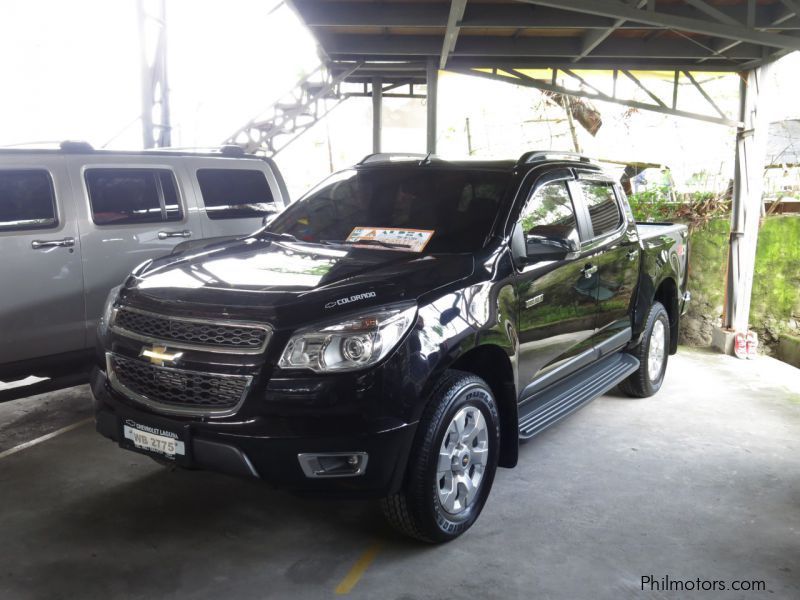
point(153, 439)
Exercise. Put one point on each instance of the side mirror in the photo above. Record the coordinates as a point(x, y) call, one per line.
point(539, 248)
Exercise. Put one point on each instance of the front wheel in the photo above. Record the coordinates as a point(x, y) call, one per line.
point(452, 463)
point(652, 352)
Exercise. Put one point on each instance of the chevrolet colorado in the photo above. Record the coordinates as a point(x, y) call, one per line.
point(395, 333)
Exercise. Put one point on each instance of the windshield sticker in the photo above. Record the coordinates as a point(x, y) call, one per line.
point(407, 240)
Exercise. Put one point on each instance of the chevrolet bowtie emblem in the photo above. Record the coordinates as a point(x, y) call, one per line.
point(158, 355)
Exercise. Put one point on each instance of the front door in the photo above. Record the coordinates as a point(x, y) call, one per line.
point(557, 308)
point(41, 278)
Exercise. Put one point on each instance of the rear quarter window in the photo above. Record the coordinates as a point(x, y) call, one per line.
point(27, 200)
point(128, 196)
point(601, 201)
point(235, 193)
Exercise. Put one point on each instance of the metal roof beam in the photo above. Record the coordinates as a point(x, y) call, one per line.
point(453, 27)
point(642, 87)
point(722, 47)
point(703, 93)
point(339, 45)
point(618, 10)
point(592, 64)
point(481, 15)
point(792, 5)
point(714, 12)
point(593, 39)
point(516, 79)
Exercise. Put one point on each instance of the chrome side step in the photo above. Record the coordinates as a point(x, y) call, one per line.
point(557, 401)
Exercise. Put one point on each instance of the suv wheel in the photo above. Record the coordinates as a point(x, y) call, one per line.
point(452, 463)
point(652, 352)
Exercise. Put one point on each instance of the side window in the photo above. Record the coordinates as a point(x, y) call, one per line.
point(549, 214)
point(125, 196)
point(235, 193)
point(27, 200)
point(603, 207)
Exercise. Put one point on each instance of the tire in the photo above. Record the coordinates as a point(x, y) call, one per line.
point(645, 382)
point(424, 509)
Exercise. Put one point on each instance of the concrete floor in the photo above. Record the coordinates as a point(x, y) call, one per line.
point(701, 481)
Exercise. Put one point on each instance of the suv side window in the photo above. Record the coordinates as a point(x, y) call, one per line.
point(27, 200)
point(601, 202)
point(125, 196)
point(550, 214)
point(235, 193)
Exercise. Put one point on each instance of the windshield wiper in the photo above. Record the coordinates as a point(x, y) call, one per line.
point(365, 242)
point(287, 237)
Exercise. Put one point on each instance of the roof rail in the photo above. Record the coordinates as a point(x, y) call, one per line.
point(64, 145)
point(39, 144)
point(75, 146)
point(231, 150)
point(392, 157)
point(225, 149)
point(543, 155)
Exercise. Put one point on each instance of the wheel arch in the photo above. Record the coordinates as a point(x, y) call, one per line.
point(664, 291)
point(667, 295)
point(492, 364)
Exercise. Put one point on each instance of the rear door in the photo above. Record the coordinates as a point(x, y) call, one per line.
point(557, 311)
point(133, 208)
point(41, 279)
point(612, 256)
point(233, 195)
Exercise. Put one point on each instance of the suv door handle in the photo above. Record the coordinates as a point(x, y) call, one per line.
point(163, 235)
point(633, 254)
point(65, 243)
point(589, 270)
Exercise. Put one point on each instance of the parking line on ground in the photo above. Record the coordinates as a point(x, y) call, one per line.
point(44, 438)
point(357, 570)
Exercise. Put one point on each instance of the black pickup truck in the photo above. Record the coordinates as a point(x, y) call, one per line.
point(395, 333)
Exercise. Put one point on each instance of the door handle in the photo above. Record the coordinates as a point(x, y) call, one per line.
point(633, 254)
point(589, 270)
point(163, 235)
point(65, 243)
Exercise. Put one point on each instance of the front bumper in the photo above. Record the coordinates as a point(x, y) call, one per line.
point(266, 453)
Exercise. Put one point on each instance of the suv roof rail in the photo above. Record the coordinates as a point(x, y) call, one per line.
point(392, 157)
point(63, 145)
point(231, 150)
point(543, 155)
point(225, 149)
point(75, 146)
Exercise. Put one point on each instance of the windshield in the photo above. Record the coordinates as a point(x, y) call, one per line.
point(436, 210)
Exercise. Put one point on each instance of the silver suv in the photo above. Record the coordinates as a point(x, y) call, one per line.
point(75, 221)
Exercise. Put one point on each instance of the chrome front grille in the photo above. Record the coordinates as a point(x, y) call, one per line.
point(177, 391)
point(228, 337)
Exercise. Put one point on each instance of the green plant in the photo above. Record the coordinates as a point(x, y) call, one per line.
point(695, 209)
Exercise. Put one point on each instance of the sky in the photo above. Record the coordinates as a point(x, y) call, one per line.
point(71, 70)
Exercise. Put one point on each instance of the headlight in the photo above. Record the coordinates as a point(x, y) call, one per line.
point(349, 345)
point(108, 307)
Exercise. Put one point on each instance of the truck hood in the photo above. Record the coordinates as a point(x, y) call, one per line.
point(273, 279)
